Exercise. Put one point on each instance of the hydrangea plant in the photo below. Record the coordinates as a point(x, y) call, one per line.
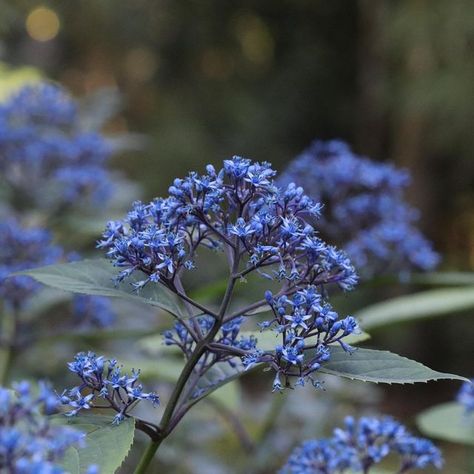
point(262, 230)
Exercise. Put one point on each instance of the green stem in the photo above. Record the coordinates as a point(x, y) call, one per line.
point(8, 329)
point(147, 456)
point(200, 349)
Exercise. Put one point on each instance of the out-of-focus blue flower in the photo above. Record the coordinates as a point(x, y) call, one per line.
point(359, 446)
point(313, 457)
point(238, 207)
point(308, 327)
point(102, 378)
point(29, 443)
point(365, 211)
point(22, 248)
point(93, 311)
point(45, 156)
point(466, 396)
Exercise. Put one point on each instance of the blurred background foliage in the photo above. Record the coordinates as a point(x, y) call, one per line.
point(202, 80)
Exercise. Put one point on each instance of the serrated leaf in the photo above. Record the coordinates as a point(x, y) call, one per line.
point(449, 422)
point(426, 304)
point(107, 445)
point(96, 277)
point(370, 365)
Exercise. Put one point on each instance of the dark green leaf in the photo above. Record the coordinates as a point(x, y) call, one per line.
point(371, 365)
point(107, 445)
point(95, 277)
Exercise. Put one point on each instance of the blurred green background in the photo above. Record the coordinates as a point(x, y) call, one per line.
point(202, 80)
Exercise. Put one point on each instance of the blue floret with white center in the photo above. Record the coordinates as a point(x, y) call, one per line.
point(103, 379)
point(308, 327)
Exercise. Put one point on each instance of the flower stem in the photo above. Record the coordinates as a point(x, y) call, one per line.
point(147, 456)
point(7, 334)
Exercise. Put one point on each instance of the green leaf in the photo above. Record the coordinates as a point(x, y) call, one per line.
point(443, 278)
point(449, 422)
point(106, 445)
point(95, 277)
point(216, 384)
point(426, 304)
point(375, 366)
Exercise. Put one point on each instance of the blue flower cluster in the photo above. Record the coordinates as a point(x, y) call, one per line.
point(238, 209)
point(359, 446)
point(308, 326)
point(29, 443)
point(228, 336)
point(102, 379)
point(22, 248)
point(466, 396)
point(365, 211)
point(45, 156)
point(259, 227)
point(95, 311)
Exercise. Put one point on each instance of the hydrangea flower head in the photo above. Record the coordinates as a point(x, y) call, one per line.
point(22, 248)
point(365, 211)
point(45, 155)
point(239, 207)
point(29, 443)
point(360, 445)
point(260, 228)
point(102, 379)
point(308, 327)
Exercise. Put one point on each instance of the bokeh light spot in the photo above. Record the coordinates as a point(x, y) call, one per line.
point(42, 24)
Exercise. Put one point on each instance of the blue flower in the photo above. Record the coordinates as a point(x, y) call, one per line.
point(360, 445)
point(365, 210)
point(228, 337)
point(308, 327)
point(104, 379)
point(93, 310)
point(22, 248)
point(46, 155)
point(29, 442)
point(466, 396)
point(238, 207)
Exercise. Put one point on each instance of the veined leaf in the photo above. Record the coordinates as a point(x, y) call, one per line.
point(106, 445)
point(95, 277)
point(371, 365)
point(426, 304)
point(449, 422)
